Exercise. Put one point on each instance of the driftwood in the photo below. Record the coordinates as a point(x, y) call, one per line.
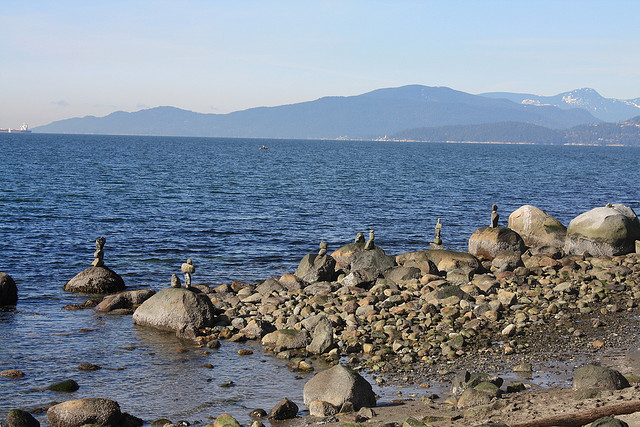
point(582, 418)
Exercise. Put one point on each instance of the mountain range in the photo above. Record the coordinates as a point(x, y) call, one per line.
point(605, 109)
point(370, 115)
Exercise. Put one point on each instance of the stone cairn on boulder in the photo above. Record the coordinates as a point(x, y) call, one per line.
point(97, 279)
point(175, 281)
point(188, 269)
point(370, 245)
point(323, 248)
point(437, 241)
point(359, 238)
point(98, 255)
point(495, 216)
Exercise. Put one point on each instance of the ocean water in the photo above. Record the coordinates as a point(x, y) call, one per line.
point(240, 213)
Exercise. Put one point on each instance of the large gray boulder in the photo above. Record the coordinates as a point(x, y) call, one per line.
point(8, 290)
point(314, 268)
point(594, 376)
point(536, 227)
point(487, 242)
point(76, 413)
point(375, 260)
point(338, 385)
point(124, 300)
point(95, 280)
point(176, 309)
point(605, 231)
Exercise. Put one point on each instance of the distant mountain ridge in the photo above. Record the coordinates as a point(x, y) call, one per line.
point(605, 109)
point(369, 115)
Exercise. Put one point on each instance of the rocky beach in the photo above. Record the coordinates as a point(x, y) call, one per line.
point(526, 301)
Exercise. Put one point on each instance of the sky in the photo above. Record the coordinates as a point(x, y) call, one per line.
point(68, 59)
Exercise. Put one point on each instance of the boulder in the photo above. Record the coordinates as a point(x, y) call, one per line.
point(419, 259)
point(286, 339)
point(292, 283)
point(338, 385)
point(361, 278)
point(269, 286)
point(318, 408)
point(20, 418)
point(343, 255)
point(487, 242)
point(314, 268)
point(506, 261)
point(322, 337)
point(402, 273)
point(126, 300)
point(256, 329)
point(606, 231)
point(608, 422)
point(176, 309)
point(8, 290)
point(446, 260)
point(375, 260)
point(594, 376)
point(67, 386)
point(536, 227)
point(226, 420)
point(95, 280)
point(76, 413)
point(284, 410)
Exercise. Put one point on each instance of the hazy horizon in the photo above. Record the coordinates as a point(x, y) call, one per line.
point(74, 59)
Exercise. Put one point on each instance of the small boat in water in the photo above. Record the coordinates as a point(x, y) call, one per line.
point(23, 129)
point(264, 147)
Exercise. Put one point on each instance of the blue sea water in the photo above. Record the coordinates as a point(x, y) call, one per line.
point(240, 213)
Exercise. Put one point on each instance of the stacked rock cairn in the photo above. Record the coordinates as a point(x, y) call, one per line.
point(98, 255)
point(188, 269)
point(494, 216)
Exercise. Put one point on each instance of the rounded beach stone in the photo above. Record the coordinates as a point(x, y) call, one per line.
point(8, 290)
point(284, 410)
point(536, 227)
point(20, 418)
point(95, 280)
point(67, 386)
point(338, 385)
point(605, 231)
point(75, 413)
point(594, 376)
point(226, 420)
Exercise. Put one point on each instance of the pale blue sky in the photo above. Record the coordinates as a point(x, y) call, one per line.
point(74, 58)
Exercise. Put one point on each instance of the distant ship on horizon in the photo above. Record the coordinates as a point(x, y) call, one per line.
point(22, 129)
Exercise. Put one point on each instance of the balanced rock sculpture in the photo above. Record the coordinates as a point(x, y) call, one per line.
point(606, 231)
point(188, 269)
point(97, 279)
